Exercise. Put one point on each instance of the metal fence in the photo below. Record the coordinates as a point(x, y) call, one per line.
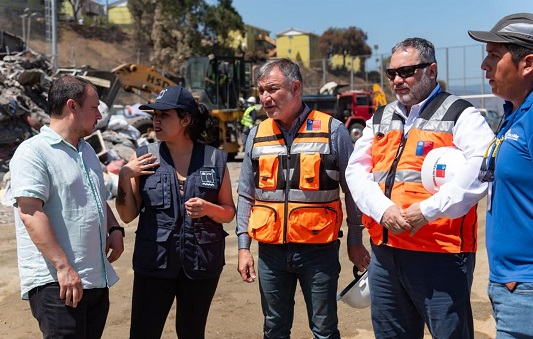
point(458, 67)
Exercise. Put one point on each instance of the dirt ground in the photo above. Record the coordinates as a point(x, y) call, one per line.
point(235, 311)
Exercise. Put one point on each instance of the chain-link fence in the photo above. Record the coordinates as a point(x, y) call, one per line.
point(459, 70)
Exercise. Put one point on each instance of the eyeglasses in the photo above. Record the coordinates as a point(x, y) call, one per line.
point(405, 71)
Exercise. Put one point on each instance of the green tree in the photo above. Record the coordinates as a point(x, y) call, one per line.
point(219, 21)
point(181, 28)
point(349, 41)
point(142, 13)
point(76, 8)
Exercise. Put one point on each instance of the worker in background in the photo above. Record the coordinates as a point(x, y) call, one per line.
point(248, 119)
point(289, 201)
point(423, 245)
point(509, 68)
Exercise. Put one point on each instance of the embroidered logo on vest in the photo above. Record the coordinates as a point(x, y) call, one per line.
point(208, 178)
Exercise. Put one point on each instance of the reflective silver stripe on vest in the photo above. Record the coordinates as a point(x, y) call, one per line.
point(270, 195)
point(296, 195)
point(435, 123)
point(396, 125)
point(401, 176)
point(434, 126)
point(313, 196)
point(266, 150)
point(311, 147)
point(387, 124)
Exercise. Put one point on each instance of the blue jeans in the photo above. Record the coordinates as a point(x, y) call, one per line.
point(317, 269)
point(512, 310)
point(409, 289)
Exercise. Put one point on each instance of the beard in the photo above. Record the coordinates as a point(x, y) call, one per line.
point(417, 92)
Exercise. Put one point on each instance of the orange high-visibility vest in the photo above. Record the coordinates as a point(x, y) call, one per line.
point(296, 186)
point(399, 175)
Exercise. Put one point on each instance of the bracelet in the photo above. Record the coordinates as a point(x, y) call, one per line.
point(119, 228)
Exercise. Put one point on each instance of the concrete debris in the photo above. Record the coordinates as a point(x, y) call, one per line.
point(25, 79)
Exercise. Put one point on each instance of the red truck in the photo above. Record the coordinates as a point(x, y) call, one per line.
point(353, 108)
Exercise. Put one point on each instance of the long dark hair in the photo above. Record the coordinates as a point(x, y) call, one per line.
point(202, 126)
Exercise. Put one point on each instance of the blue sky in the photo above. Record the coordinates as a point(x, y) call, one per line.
point(445, 23)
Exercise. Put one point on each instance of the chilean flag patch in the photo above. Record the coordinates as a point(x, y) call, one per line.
point(440, 171)
point(423, 147)
point(313, 125)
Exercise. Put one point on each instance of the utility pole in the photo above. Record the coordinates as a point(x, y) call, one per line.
point(51, 31)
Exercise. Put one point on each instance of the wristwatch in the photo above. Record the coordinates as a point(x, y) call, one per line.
point(117, 228)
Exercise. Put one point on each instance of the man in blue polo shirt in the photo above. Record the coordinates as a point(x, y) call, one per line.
point(509, 68)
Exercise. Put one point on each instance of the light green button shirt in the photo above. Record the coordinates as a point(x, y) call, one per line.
point(70, 183)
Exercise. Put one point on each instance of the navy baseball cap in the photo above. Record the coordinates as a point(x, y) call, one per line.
point(173, 97)
point(513, 29)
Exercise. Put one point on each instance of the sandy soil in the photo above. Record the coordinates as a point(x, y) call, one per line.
point(235, 311)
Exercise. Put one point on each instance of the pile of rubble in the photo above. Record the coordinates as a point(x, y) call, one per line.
point(25, 79)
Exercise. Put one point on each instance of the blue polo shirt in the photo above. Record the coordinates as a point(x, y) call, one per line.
point(510, 219)
point(70, 183)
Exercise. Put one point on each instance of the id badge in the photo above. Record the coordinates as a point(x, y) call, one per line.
point(489, 197)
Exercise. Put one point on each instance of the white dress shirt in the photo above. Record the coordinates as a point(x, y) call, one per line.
point(471, 134)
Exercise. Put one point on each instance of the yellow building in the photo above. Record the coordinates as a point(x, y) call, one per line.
point(337, 61)
point(253, 35)
point(119, 14)
point(89, 8)
point(298, 46)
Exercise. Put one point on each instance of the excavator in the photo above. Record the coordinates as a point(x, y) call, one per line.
point(217, 82)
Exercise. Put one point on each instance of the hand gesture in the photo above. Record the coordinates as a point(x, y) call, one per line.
point(70, 287)
point(413, 215)
point(143, 165)
point(196, 207)
point(115, 243)
point(394, 221)
point(246, 266)
point(359, 256)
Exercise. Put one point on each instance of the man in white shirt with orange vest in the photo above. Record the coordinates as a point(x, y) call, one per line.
point(423, 245)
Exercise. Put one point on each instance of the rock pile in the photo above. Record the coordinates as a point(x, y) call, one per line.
point(25, 79)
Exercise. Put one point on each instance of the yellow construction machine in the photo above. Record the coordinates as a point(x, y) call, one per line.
point(216, 82)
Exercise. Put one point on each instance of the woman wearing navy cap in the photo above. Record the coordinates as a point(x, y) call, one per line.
point(180, 188)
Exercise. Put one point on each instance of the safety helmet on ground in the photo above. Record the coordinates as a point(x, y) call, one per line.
point(357, 293)
point(251, 100)
point(440, 166)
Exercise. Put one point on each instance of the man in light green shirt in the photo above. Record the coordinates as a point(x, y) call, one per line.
point(64, 226)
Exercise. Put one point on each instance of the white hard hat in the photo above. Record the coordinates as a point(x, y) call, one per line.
point(357, 293)
point(440, 166)
point(251, 100)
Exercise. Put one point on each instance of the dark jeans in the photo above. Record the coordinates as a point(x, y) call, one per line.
point(317, 269)
point(86, 321)
point(409, 289)
point(153, 298)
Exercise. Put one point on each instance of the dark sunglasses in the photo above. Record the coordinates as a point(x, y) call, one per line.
point(405, 71)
